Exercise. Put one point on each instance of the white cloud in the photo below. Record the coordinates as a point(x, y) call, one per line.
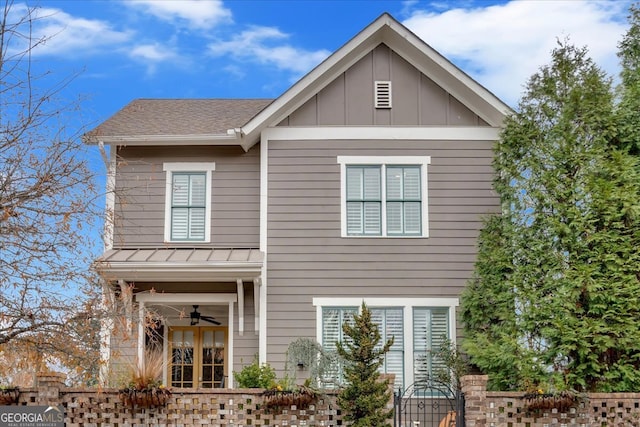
point(256, 45)
point(199, 14)
point(150, 55)
point(65, 34)
point(152, 52)
point(501, 46)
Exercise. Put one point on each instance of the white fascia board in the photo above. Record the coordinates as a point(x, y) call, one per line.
point(185, 298)
point(161, 140)
point(368, 133)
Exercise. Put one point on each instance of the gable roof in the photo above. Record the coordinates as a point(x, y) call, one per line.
point(156, 119)
point(385, 29)
point(241, 121)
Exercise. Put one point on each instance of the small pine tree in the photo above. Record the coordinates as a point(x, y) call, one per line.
point(365, 397)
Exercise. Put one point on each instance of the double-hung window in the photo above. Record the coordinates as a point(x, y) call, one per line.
point(419, 327)
point(188, 202)
point(384, 196)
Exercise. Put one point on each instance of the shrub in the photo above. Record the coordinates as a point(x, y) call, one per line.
point(255, 376)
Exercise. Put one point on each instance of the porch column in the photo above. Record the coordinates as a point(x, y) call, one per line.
point(240, 287)
point(230, 346)
point(141, 360)
point(256, 304)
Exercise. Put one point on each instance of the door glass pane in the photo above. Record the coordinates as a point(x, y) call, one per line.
point(207, 339)
point(198, 357)
point(207, 376)
point(182, 358)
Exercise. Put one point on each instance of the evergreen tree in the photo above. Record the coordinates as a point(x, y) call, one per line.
point(365, 397)
point(556, 285)
point(629, 108)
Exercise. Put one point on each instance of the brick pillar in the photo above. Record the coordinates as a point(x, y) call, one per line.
point(49, 385)
point(474, 388)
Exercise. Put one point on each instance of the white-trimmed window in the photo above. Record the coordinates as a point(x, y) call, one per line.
point(384, 196)
point(188, 201)
point(419, 327)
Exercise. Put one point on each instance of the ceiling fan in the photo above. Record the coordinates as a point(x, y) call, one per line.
point(196, 316)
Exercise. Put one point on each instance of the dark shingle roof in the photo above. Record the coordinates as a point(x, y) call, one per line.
point(180, 117)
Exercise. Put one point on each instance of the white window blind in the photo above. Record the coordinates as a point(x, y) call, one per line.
point(430, 330)
point(364, 200)
point(188, 206)
point(402, 205)
point(332, 320)
point(390, 324)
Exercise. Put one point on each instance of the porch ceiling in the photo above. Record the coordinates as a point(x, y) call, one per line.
point(181, 264)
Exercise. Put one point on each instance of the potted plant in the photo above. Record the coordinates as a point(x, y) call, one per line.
point(9, 395)
point(286, 394)
point(541, 400)
point(145, 388)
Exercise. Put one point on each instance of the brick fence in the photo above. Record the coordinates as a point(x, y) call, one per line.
point(89, 407)
point(507, 409)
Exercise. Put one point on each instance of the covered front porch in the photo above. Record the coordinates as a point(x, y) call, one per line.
point(197, 306)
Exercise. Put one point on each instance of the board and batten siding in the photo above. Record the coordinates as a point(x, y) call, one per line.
point(307, 257)
point(417, 100)
point(140, 195)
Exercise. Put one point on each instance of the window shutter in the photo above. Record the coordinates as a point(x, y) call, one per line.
point(372, 218)
point(430, 329)
point(188, 206)
point(196, 223)
point(412, 187)
point(332, 320)
point(354, 218)
point(179, 223)
point(372, 189)
point(198, 190)
point(390, 323)
point(394, 218)
point(412, 217)
point(354, 183)
point(382, 94)
point(180, 190)
point(394, 183)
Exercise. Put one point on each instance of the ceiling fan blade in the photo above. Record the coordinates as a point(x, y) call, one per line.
point(210, 319)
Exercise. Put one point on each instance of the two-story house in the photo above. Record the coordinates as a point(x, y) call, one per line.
point(247, 223)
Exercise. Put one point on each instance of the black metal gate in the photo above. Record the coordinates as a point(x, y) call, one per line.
point(428, 404)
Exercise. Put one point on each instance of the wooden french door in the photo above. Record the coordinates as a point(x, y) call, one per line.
point(197, 357)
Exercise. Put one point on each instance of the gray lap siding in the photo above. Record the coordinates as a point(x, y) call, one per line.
point(307, 257)
point(140, 194)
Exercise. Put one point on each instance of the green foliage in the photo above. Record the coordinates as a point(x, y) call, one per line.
point(313, 358)
point(554, 298)
point(255, 376)
point(365, 397)
point(454, 365)
point(629, 108)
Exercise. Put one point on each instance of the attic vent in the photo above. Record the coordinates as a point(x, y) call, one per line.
point(383, 94)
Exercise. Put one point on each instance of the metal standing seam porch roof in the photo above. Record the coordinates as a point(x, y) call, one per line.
point(181, 264)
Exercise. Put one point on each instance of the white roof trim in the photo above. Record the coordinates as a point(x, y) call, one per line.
point(386, 30)
point(185, 298)
point(230, 138)
point(368, 133)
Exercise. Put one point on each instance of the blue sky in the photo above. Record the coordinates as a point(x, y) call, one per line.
point(124, 50)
